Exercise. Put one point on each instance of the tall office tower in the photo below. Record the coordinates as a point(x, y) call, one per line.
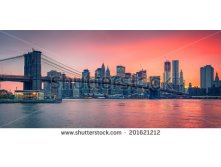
point(142, 77)
point(86, 74)
point(206, 76)
point(98, 73)
point(121, 71)
point(182, 85)
point(167, 72)
point(103, 71)
point(175, 74)
point(85, 89)
point(217, 77)
point(217, 82)
point(107, 72)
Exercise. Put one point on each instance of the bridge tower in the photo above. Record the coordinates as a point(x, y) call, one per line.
point(32, 69)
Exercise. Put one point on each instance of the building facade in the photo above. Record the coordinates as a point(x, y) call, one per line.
point(167, 72)
point(175, 74)
point(206, 76)
point(121, 71)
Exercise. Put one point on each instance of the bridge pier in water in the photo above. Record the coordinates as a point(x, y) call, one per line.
point(32, 69)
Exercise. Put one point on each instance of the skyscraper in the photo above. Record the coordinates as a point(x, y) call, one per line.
point(217, 82)
point(107, 72)
point(206, 76)
point(142, 77)
point(167, 72)
point(85, 89)
point(182, 84)
point(103, 71)
point(175, 74)
point(120, 71)
point(86, 74)
point(98, 73)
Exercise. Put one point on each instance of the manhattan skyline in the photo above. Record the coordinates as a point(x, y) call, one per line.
point(132, 49)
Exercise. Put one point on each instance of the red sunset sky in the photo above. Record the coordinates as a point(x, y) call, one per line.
point(89, 49)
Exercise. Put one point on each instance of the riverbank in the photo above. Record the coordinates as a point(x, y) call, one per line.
point(29, 101)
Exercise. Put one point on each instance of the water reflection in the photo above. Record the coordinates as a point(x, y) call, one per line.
point(114, 114)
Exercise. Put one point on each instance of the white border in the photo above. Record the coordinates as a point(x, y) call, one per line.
point(45, 147)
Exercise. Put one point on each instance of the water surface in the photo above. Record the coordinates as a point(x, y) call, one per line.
point(105, 113)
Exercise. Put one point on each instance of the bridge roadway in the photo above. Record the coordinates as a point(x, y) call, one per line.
point(20, 78)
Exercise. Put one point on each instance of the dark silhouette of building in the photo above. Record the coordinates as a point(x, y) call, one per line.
point(85, 86)
point(107, 73)
point(121, 71)
point(175, 74)
point(103, 71)
point(206, 77)
point(167, 72)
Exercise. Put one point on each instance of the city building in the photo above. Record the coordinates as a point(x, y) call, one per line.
point(215, 90)
point(217, 82)
point(141, 77)
point(4, 94)
point(67, 90)
point(76, 90)
point(103, 71)
point(175, 74)
point(206, 76)
point(121, 71)
point(53, 89)
point(85, 86)
point(107, 73)
point(196, 91)
point(29, 95)
point(167, 72)
point(86, 74)
point(182, 82)
point(154, 86)
point(98, 73)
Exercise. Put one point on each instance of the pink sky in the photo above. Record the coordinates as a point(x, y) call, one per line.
point(89, 49)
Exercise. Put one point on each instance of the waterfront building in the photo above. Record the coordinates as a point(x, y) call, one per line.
point(182, 82)
point(29, 95)
point(196, 91)
point(4, 94)
point(54, 89)
point(175, 74)
point(67, 91)
point(217, 82)
point(214, 91)
point(206, 76)
point(76, 90)
point(127, 80)
point(154, 86)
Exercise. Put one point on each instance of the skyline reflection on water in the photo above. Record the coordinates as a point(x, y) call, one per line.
point(93, 113)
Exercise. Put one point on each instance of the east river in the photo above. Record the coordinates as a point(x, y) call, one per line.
point(103, 113)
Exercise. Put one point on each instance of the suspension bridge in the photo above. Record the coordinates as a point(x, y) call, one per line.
point(32, 77)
